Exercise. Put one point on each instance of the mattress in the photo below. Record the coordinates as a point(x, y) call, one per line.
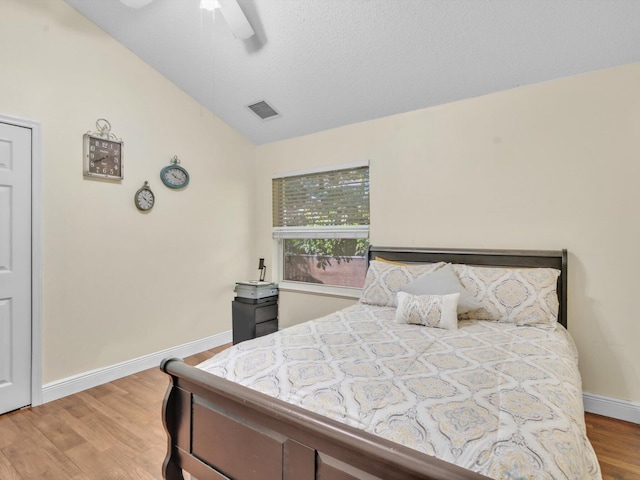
point(499, 399)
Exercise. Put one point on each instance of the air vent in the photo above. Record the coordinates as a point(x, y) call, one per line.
point(263, 110)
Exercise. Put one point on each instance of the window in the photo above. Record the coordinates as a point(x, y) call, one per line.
point(321, 223)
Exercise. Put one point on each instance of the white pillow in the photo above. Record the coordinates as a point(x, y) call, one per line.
point(443, 282)
point(439, 311)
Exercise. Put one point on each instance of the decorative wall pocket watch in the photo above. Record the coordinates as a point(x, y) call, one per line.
point(174, 176)
point(103, 152)
point(144, 198)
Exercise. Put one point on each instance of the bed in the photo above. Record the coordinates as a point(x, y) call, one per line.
point(360, 394)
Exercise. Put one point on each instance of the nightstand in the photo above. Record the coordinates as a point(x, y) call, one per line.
point(251, 320)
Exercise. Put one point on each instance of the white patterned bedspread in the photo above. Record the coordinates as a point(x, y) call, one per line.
point(499, 399)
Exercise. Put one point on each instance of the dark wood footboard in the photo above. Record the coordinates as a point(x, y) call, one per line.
point(221, 430)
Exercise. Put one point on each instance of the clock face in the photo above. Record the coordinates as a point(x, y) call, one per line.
point(174, 177)
point(103, 158)
point(144, 199)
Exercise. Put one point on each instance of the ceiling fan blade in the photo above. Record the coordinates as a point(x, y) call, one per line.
point(236, 19)
point(136, 3)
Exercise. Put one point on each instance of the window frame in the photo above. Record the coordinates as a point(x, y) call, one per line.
point(279, 234)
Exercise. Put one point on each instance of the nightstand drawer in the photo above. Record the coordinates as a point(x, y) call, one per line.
point(251, 320)
point(266, 328)
point(264, 314)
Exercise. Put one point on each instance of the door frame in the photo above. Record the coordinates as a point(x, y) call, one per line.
point(36, 251)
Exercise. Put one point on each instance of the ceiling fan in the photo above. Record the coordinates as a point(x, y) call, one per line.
point(231, 11)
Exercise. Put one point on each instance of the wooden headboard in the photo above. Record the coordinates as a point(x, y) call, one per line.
point(497, 258)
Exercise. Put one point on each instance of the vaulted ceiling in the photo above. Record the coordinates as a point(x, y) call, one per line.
point(327, 63)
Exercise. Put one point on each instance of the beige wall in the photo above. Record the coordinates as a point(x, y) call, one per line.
point(295, 308)
point(549, 166)
point(119, 284)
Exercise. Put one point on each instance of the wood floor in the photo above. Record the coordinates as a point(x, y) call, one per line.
point(114, 432)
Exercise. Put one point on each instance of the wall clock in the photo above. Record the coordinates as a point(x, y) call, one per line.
point(174, 176)
point(103, 153)
point(144, 198)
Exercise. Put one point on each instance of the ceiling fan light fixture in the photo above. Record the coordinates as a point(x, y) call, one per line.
point(233, 14)
point(236, 19)
point(210, 5)
point(136, 3)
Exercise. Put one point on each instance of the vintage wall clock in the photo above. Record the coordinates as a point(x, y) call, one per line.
point(103, 153)
point(144, 198)
point(174, 176)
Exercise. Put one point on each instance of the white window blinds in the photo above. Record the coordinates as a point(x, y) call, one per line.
point(327, 204)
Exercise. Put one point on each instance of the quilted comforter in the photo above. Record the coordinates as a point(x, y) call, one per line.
point(499, 399)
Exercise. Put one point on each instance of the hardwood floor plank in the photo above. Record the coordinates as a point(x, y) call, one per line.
point(115, 432)
point(7, 472)
point(96, 464)
point(52, 475)
point(617, 446)
point(88, 428)
point(140, 392)
point(134, 467)
point(58, 432)
point(37, 458)
point(9, 431)
point(130, 414)
point(149, 459)
point(107, 389)
point(157, 383)
point(121, 427)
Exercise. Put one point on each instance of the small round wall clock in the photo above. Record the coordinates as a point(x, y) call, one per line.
point(144, 198)
point(102, 153)
point(174, 176)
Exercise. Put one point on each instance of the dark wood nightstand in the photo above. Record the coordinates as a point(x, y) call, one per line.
point(251, 320)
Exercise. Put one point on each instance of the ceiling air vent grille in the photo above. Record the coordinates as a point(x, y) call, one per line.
point(263, 110)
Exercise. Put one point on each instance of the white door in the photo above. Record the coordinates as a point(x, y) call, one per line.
point(15, 267)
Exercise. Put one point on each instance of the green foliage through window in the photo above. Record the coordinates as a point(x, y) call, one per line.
point(314, 260)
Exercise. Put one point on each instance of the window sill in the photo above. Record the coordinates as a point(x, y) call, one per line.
point(317, 289)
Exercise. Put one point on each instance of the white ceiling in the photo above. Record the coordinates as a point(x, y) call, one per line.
point(328, 63)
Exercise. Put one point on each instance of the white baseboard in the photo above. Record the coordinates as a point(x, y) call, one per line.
point(83, 381)
point(611, 407)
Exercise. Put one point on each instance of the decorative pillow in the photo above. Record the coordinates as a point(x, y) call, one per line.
point(439, 311)
point(443, 282)
point(383, 281)
point(524, 296)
